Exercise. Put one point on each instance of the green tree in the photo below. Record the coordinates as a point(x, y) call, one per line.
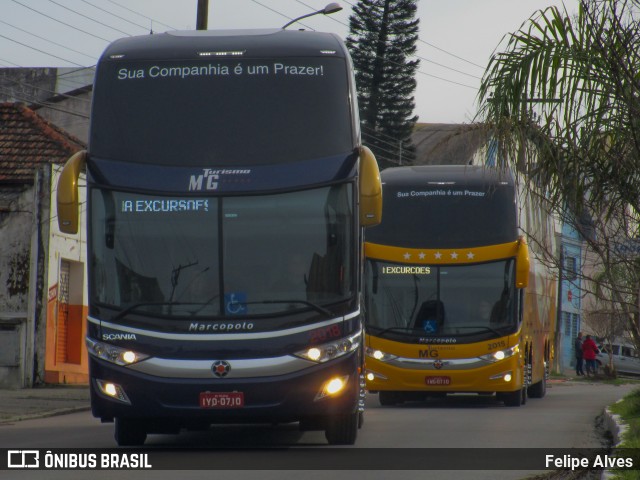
point(382, 38)
point(568, 87)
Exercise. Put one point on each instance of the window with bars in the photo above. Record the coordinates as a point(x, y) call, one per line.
point(571, 323)
point(69, 319)
point(63, 312)
point(570, 268)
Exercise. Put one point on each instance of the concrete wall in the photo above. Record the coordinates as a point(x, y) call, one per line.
point(16, 225)
point(71, 115)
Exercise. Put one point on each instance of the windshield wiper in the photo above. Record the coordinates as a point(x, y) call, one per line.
point(414, 331)
point(402, 329)
point(315, 306)
point(484, 327)
point(135, 306)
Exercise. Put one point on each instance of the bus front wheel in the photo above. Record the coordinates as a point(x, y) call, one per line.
point(515, 399)
point(342, 429)
point(538, 390)
point(130, 432)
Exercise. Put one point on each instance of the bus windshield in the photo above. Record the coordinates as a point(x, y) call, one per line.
point(436, 301)
point(221, 111)
point(185, 257)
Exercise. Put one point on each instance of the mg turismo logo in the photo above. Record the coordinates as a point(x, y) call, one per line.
point(220, 368)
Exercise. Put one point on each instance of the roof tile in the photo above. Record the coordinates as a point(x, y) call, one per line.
point(28, 141)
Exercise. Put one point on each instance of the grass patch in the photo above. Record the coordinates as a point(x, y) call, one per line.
point(629, 410)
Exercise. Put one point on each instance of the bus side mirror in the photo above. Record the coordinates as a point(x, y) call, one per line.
point(67, 195)
point(522, 264)
point(370, 189)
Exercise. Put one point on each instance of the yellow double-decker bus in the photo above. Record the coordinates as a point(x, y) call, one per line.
point(455, 303)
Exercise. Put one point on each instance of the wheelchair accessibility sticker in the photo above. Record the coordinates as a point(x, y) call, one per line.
point(235, 303)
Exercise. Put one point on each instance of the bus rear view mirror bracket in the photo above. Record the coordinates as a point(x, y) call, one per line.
point(370, 189)
point(67, 195)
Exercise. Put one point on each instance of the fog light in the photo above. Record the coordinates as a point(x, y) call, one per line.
point(110, 389)
point(332, 387)
point(371, 376)
point(113, 391)
point(506, 376)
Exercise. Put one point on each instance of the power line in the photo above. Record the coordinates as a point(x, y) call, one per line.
point(114, 15)
point(53, 93)
point(89, 18)
point(66, 78)
point(449, 68)
point(281, 14)
point(142, 15)
point(446, 80)
point(38, 50)
point(60, 21)
point(31, 101)
point(451, 54)
point(415, 55)
point(7, 61)
point(47, 40)
point(438, 48)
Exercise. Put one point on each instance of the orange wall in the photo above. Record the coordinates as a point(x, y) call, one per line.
point(65, 351)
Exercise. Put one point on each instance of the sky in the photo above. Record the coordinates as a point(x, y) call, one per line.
point(456, 40)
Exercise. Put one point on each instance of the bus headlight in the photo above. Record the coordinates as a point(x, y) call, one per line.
point(500, 354)
point(113, 354)
point(379, 354)
point(329, 351)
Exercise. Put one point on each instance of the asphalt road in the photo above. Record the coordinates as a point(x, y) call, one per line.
point(566, 418)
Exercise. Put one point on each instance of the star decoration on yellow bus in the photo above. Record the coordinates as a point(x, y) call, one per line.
point(440, 256)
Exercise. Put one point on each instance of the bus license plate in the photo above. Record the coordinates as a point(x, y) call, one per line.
point(221, 399)
point(437, 380)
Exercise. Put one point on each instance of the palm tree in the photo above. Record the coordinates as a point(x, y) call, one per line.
point(568, 88)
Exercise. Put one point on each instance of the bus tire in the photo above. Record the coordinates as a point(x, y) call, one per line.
point(342, 429)
point(538, 390)
point(514, 399)
point(129, 432)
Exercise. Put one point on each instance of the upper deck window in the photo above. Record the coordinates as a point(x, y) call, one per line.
point(221, 111)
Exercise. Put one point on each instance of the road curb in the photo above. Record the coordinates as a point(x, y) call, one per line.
point(614, 424)
point(51, 413)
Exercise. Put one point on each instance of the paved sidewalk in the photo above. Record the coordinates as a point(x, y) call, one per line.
point(38, 402)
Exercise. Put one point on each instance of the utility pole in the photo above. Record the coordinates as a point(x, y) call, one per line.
point(203, 14)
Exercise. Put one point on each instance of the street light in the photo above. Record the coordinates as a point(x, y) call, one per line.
point(328, 10)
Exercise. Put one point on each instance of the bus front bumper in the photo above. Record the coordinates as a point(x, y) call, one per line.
point(290, 397)
point(502, 376)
